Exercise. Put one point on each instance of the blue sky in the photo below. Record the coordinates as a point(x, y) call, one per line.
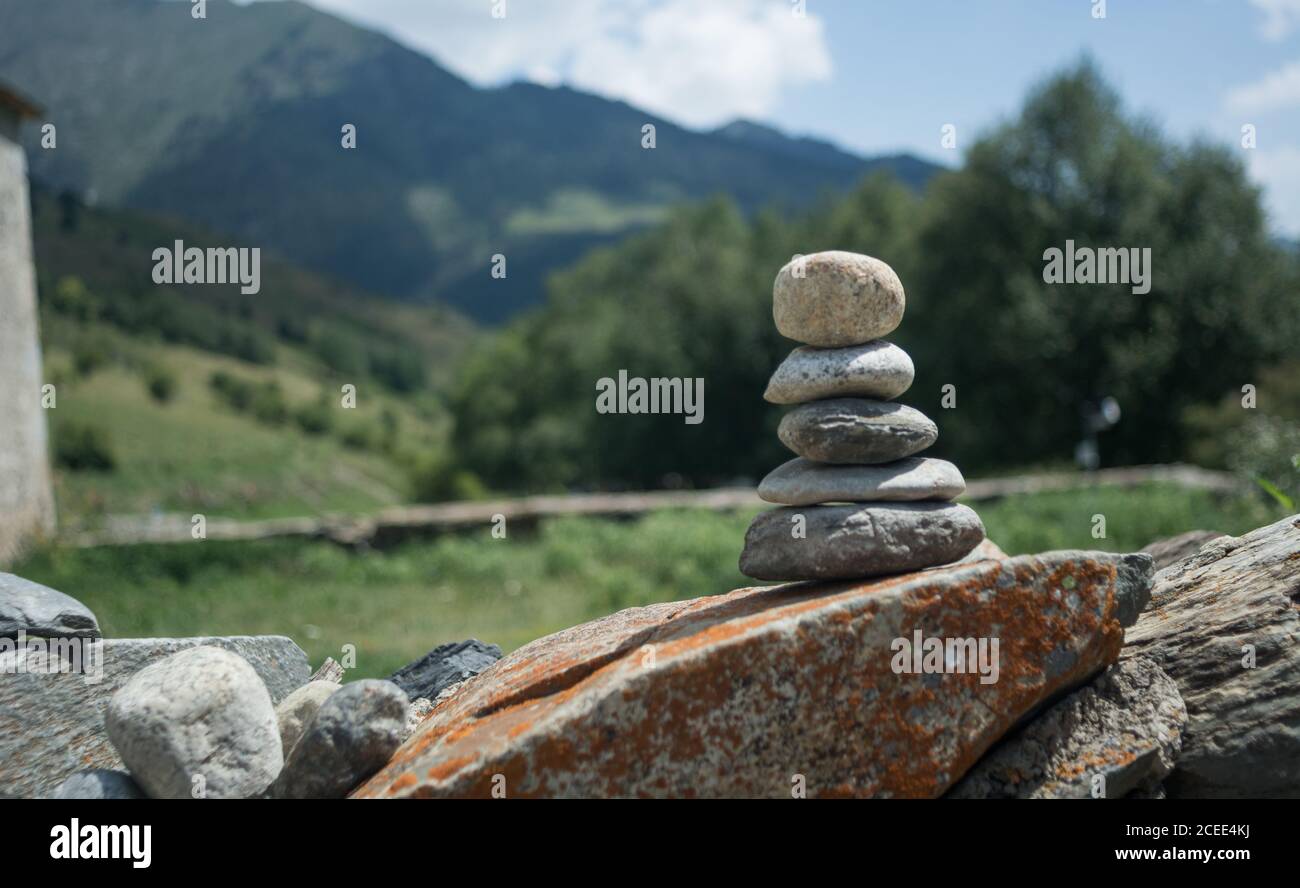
point(886, 75)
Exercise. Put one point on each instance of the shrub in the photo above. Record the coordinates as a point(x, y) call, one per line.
point(89, 353)
point(160, 382)
point(439, 479)
point(267, 403)
point(236, 392)
point(83, 447)
point(315, 419)
point(358, 437)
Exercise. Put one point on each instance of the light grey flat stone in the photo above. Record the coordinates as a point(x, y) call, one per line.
point(802, 482)
point(856, 431)
point(39, 610)
point(833, 299)
point(856, 541)
point(875, 369)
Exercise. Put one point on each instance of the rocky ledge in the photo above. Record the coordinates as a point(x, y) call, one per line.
point(989, 677)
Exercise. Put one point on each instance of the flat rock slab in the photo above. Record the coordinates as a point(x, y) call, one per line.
point(802, 482)
point(444, 666)
point(52, 725)
point(39, 610)
point(856, 431)
point(1119, 734)
point(875, 369)
point(835, 298)
point(1224, 624)
point(763, 690)
point(861, 540)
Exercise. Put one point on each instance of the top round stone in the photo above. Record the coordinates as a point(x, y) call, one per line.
point(834, 299)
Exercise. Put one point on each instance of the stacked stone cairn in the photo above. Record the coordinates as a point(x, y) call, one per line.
point(856, 501)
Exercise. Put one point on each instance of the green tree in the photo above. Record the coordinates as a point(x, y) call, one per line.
point(1024, 355)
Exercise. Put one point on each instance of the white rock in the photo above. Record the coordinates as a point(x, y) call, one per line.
point(197, 724)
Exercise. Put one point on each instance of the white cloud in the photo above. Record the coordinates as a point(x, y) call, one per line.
point(1278, 170)
point(1276, 90)
point(1281, 17)
point(700, 63)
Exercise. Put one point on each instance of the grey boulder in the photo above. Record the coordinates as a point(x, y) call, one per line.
point(445, 665)
point(802, 482)
point(850, 542)
point(354, 734)
point(833, 299)
point(199, 724)
point(52, 716)
point(296, 711)
point(39, 610)
point(876, 369)
point(856, 431)
point(99, 783)
point(1118, 735)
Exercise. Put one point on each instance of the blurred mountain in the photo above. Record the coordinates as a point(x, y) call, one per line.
point(234, 122)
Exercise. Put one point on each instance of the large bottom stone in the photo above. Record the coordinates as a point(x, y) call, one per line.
point(779, 690)
point(850, 542)
point(52, 723)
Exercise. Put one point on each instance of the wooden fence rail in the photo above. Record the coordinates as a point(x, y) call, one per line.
point(400, 523)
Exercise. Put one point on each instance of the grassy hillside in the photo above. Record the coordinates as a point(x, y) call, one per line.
point(394, 605)
point(201, 399)
point(235, 122)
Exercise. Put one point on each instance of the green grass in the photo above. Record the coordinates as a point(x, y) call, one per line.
point(572, 210)
point(195, 454)
point(395, 605)
point(1133, 517)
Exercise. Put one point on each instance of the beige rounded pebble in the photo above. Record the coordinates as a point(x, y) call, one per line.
point(834, 299)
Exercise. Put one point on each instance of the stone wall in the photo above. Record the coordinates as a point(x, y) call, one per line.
point(26, 501)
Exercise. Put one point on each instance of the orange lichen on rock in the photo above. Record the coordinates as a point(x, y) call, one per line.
point(762, 690)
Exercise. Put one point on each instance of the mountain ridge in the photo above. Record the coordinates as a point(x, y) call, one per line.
point(234, 122)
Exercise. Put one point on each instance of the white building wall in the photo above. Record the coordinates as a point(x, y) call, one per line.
point(26, 500)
